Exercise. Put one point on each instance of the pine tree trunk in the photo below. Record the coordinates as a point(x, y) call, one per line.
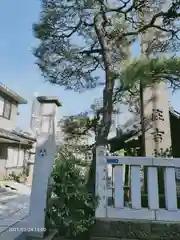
point(104, 127)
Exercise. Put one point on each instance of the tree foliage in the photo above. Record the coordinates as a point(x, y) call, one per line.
point(76, 127)
point(74, 141)
point(80, 38)
point(71, 207)
point(151, 70)
point(72, 29)
point(85, 124)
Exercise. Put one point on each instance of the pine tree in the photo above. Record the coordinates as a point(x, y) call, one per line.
point(79, 39)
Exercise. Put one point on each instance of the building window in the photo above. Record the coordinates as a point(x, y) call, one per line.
point(5, 108)
point(1, 106)
point(13, 154)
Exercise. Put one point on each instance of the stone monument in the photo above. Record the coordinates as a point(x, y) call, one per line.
point(44, 159)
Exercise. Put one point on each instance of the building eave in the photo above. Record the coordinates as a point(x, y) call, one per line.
point(24, 135)
point(11, 136)
point(17, 98)
point(174, 112)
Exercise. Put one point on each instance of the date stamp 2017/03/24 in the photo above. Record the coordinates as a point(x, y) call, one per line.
point(27, 229)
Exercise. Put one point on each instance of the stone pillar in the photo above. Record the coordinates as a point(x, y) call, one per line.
point(44, 159)
point(156, 106)
point(156, 112)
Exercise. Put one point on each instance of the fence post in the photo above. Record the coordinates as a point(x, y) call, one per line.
point(170, 188)
point(101, 190)
point(44, 159)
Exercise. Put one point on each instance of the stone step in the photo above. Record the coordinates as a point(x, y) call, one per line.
point(135, 230)
point(102, 238)
point(51, 236)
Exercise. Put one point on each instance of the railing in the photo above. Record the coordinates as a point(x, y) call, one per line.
point(119, 209)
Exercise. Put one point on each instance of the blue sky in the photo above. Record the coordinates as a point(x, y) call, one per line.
point(17, 64)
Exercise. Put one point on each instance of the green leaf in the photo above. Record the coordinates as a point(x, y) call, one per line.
point(149, 71)
point(71, 208)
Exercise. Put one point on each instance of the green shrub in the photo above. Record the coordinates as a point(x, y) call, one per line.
point(20, 178)
point(71, 207)
point(14, 177)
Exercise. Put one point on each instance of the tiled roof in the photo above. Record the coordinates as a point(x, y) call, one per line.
point(17, 137)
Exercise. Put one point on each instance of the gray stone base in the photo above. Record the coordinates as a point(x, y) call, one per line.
point(34, 236)
point(129, 230)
